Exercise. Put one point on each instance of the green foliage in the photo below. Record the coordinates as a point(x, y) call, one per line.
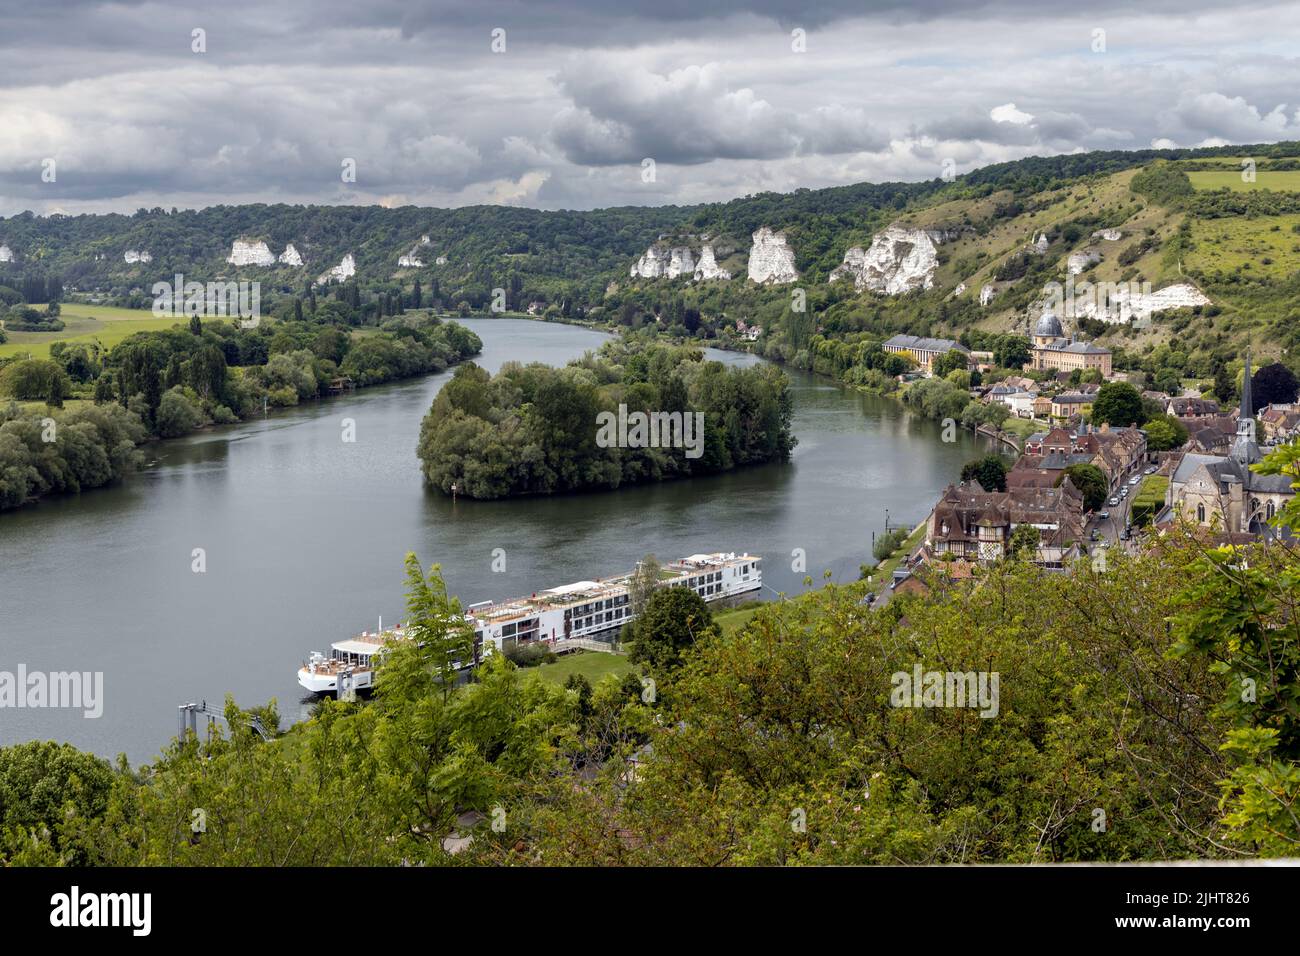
point(1163, 183)
point(674, 621)
point(1091, 483)
point(92, 446)
point(1165, 433)
point(1118, 403)
point(537, 430)
point(35, 379)
point(990, 471)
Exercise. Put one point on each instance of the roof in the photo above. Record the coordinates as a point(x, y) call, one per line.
point(923, 343)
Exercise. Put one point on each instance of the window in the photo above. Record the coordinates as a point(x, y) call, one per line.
point(1200, 513)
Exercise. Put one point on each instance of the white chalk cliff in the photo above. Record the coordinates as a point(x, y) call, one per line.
point(245, 252)
point(660, 262)
point(900, 260)
point(1110, 235)
point(1082, 260)
point(707, 267)
point(133, 255)
point(346, 269)
point(770, 259)
point(290, 256)
point(6, 254)
point(409, 261)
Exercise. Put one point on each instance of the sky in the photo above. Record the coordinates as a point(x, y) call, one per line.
point(579, 104)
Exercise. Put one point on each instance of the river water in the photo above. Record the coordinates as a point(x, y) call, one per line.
point(304, 537)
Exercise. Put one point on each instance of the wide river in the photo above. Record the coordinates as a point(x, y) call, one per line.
point(305, 534)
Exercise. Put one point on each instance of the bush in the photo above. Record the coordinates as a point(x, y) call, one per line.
point(178, 413)
point(35, 379)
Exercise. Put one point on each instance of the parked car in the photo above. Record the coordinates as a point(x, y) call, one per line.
point(1134, 480)
point(1096, 535)
point(1152, 469)
point(1114, 500)
point(1104, 515)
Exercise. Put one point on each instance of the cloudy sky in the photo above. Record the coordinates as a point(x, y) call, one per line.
point(559, 103)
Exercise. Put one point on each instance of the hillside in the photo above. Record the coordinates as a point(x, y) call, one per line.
point(1200, 225)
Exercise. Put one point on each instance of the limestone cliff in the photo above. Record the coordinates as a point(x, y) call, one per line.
point(6, 254)
point(344, 270)
point(134, 255)
point(770, 259)
point(245, 252)
point(900, 260)
point(290, 256)
point(664, 262)
point(708, 268)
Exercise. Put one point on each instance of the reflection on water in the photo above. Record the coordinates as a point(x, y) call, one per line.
point(305, 535)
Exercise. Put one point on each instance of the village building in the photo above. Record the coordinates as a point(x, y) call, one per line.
point(1117, 453)
point(924, 350)
point(1222, 490)
point(1192, 407)
point(973, 524)
point(1280, 423)
point(1070, 404)
point(1052, 351)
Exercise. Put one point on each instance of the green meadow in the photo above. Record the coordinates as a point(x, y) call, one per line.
point(1264, 246)
point(1285, 180)
point(105, 324)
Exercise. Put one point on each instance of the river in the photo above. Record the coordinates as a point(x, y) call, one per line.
point(304, 535)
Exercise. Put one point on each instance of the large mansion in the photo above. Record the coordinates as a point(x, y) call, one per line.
point(924, 350)
point(1052, 351)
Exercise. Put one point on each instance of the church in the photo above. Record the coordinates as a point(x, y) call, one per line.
point(1222, 489)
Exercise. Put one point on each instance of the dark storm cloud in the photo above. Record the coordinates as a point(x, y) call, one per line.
point(718, 94)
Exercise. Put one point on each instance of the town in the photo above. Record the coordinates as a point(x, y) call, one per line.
point(1079, 488)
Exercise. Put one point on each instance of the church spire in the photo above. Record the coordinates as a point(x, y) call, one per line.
point(1244, 448)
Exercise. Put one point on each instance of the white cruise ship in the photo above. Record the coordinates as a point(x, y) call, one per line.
point(570, 612)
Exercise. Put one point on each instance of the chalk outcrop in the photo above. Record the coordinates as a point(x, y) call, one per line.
point(1039, 245)
point(1082, 261)
point(137, 255)
point(708, 268)
point(770, 259)
point(440, 261)
point(245, 252)
point(1129, 304)
point(987, 294)
point(6, 254)
point(346, 269)
point(409, 261)
point(1110, 235)
point(900, 260)
point(664, 262)
point(290, 256)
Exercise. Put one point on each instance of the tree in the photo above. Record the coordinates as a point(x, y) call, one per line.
point(644, 581)
point(178, 414)
point(1165, 433)
point(436, 626)
point(674, 620)
point(1117, 403)
point(950, 361)
point(1023, 545)
point(990, 471)
point(35, 379)
point(1011, 351)
point(1273, 385)
point(1090, 481)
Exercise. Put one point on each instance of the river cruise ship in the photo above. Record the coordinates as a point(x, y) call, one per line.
point(586, 611)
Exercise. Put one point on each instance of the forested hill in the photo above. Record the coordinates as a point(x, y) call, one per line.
point(577, 252)
point(1224, 221)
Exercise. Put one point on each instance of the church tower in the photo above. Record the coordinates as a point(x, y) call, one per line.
point(1244, 448)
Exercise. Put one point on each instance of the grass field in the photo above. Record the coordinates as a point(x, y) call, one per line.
point(593, 665)
point(104, 324)
point(1286, 180)
point(1266, 246)
point(732, 621)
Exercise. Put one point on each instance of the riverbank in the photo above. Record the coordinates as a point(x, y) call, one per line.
point(38, 458)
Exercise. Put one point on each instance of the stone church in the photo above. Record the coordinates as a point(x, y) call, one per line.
point(1222, 489)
